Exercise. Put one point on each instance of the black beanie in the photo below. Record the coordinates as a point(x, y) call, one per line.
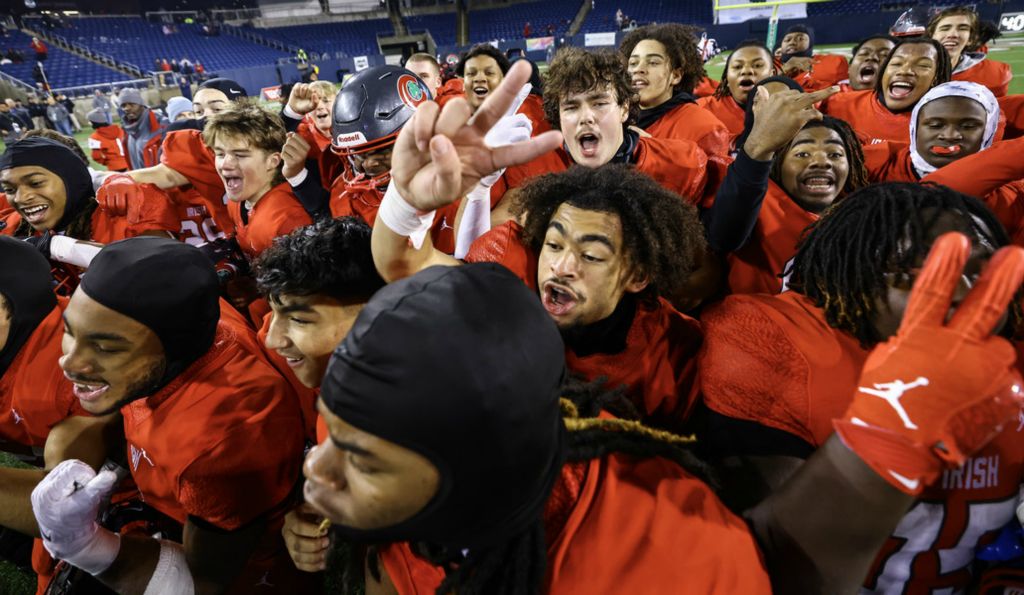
point(166, 285)
point(463, 366)
point(226, 86)
point(27, 287)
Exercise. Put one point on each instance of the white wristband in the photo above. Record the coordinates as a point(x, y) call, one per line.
point(99, 554)
point(171, 575)
point(71, 251)
point(298, 178)
point(402, 218)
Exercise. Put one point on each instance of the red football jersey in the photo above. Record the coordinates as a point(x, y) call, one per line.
point(757, 266)
point(872, 121)
point(34, 395)
point(774, 360)
point(826, 70)
point(275, 214)
point(726, 110)
point(223, 442)
point(706, 87)
point(690, 122)
point(990, 73)
point(652, 509)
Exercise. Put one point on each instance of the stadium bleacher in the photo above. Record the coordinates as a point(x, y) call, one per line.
point(507, 22)
point(138, 42)
point(63, 69)
point(441, 26)
point(349, 38)
point(602, 17)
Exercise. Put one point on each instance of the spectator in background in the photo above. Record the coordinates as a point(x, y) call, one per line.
point(165, 66)
point(200, 69)
point(10, 128)
point(39, 48)
point(37, 110)
point(187, 68)
point(157, 65)
point(620, 19)
point(527, 29)
point(70, 106)
point(101, 102)
point(106, 143)
point(57, 114)
point(426, 67)
point(179, 108)
point(15, 56)
point(21, 112)
point(143, 128)
point(175, 67)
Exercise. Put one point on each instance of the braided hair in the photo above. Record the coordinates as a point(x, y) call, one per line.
point(723, 90)
point(844, 259)
point(518, 566)
point(857, 177)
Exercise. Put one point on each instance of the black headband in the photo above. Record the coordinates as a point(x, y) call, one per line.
point(27, 287)
point(463, 366)
point(166, 285)
point(62, 161)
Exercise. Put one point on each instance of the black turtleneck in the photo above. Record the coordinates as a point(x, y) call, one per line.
point(604, 336)
point(652, 115)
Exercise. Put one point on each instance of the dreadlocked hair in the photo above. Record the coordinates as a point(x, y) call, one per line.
point(881, 232)
point(943, 67)
point(662, 237)
point(680, 45)
point(518, 566)
point(80, 228)
point(857, 177)
point(723, 85)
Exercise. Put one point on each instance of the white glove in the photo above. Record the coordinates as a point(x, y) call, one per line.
point(509, 130)
point(66, 504)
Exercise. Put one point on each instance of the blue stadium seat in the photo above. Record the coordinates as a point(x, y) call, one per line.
point(63, 69)
point(602, 18)
point(350, 38)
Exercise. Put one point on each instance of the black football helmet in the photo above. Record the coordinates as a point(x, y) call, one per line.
point(372, 107)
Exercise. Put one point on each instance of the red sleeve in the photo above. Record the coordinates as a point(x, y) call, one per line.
point(1012, 107)
point(983, 172)
point(1007, 202)
point(453, 88)
point(706, 87)
point(155, 212)
point(503, 246)
point(410, 574)
point(750, 369)
point(680, 166)
point(887, 161)
point(185, 152)
point(548, 163)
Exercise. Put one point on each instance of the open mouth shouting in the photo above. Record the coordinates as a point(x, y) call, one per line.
point(868, 72)
point(900, 89)
point(34, 214)
point(233, 184)
point(819, 184)
point(589, 143)
point(558, 299)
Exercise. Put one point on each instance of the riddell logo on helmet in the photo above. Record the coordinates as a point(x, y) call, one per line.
point(410, 91)
point(350, 139)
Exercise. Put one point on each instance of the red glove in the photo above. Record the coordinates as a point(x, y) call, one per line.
point(937, 392)
point(117, 193)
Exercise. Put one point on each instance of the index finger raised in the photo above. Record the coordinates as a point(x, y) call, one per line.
point(819, 95)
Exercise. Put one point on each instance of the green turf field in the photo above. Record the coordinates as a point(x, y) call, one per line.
point(1009, 49)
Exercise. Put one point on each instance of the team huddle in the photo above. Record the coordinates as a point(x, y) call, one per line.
point(620, 329)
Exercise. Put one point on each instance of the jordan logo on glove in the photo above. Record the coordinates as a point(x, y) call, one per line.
point(891, 392)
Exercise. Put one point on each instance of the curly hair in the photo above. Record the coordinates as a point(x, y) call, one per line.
point(575, 70)
point(483, 49)
point(943, 68)
point(679, 45)
point(844, 259)
point(723, 90)
point(955, 11)
point(858, 171)
point(662, 236)
point(331, 257)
